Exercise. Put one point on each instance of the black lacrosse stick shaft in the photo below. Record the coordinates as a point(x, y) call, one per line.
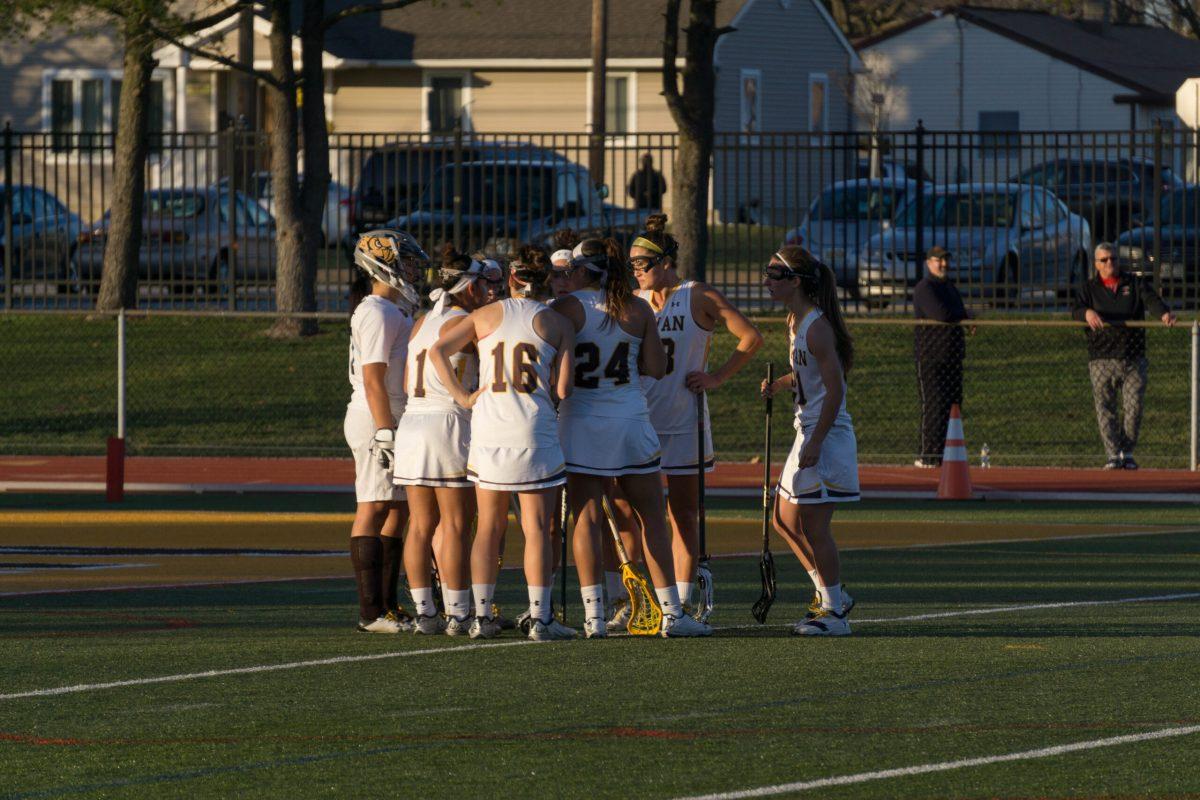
point(700, 475)
point(766, 526)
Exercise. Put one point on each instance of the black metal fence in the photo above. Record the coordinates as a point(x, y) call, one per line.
point(1020, 212)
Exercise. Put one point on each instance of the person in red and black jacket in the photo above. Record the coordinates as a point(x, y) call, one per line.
point(939, 350)
point(1116, 352)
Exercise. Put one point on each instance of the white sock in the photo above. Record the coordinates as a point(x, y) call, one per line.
point(483, 598)
point(539, 602)
point(593, 601)
point(685, 592)
point(668, 598)
point(423, 600)
point(457, 602)
point(614, 587)
point(831, 597)
point(815, 578)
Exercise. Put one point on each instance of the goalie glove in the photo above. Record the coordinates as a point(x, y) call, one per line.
point(383, 447)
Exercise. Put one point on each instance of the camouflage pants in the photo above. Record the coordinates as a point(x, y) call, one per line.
point(1127, 378)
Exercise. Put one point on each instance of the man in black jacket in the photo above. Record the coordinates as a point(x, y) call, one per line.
point(940, 350)
point(1116, 352)
point(647, 186)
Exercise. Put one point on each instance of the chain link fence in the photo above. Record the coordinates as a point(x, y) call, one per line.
point(218, 385)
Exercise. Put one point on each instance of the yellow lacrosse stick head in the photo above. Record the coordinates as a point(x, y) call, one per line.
point(645, 617)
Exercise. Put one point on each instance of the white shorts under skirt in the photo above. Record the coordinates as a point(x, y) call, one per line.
point(609, 447)
point(679, 452)
point(431, 450)
point(834, 479)
point(516, 469)
point(372, 483)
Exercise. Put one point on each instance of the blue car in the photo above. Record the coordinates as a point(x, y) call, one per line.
point(44, 233)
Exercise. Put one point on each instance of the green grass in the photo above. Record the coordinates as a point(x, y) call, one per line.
point(215, 385)
point(751, 707)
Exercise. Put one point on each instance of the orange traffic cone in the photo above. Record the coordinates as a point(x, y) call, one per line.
point(956, 480)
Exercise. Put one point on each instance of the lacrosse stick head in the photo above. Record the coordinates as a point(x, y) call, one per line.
point(704, 587)
point(766, 567)
point(645, 617)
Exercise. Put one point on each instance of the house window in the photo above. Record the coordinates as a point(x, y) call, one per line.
point(818, 103)
point(999, 131)
point(616, 104)
point(80, 106)
point(445, 102)
point(751, 105)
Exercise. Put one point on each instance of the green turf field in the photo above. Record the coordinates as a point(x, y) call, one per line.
point(208, 386)
point(972, 651)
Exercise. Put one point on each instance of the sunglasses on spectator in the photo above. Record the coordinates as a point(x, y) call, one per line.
point(1106, 258)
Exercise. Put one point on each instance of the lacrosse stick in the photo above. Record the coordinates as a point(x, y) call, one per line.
point(563, 515)
point(766, 564)
point(704, 578)
point(645, 617)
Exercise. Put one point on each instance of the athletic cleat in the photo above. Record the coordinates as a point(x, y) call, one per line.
point(429, 624)
point(458, 627)
point(550, 631)
point(401, 617)
point(620, 617)
point(1129, 463)
point(484, 628)
point(823, 623)
point(677, 627)
point(504, 622)
point(595, 628)
point(1115, 463)
point(384, 624)
point(814, 607)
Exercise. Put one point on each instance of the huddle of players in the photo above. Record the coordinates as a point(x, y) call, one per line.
point(486, 397)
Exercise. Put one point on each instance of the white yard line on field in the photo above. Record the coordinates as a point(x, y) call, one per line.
point(944, 766)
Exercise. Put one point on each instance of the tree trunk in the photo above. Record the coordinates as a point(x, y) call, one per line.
point(315, 192)
point(289, 226)
point(693, 164)
point(118, 281)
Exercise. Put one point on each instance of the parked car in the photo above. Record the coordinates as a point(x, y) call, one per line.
point(892, 169)
point(189, 239)
point(1006, 240)
point(335, 220)
point(43, 235)
point(1179, 243)
point(1111, 194)
point(844, 217)
point(511, 200)
point(392, 178)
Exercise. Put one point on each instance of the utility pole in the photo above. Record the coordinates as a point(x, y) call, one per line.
point(599, 84)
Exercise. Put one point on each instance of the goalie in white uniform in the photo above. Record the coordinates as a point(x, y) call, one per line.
point(605, 426)
point(686, 313)
point(435, 434)
point(525, 364)
point(379, 331)
point(822, 468)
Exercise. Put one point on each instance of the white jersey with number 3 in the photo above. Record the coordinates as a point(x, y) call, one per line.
point(672, 404)
point(515, 364)
point(426, 392)
point(809, 388)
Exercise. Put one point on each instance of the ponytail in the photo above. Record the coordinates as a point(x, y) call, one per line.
point(604, 259)
point(817, 281)
point(531, 269)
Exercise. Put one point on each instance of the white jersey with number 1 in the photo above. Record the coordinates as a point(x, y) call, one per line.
point(809, 388)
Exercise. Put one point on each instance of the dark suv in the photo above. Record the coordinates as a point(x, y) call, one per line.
point(1111, 194)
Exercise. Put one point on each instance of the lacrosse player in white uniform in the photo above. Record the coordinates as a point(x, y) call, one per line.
point(379, 331)
point(822, 468)
point(524, 366)
point(686, 313)
point(435, 434)
point(605, 427)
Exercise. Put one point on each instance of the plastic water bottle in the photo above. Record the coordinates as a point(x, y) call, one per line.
point(985, 456)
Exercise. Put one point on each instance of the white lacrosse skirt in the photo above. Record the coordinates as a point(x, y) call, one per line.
point(609, 446)
point(834, 479)
point(372, 483)
point(516, 469)
point(435, 448)
point(679, 452)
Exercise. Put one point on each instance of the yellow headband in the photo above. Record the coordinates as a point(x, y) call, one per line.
point(647, 245)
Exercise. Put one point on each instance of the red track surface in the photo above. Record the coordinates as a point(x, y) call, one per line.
point(283, 472)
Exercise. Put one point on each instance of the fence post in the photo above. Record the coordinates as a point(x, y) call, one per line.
point(1157, 210)
point(458, 182)
point(115, 474)
point(1195, 465)
point(8, 212)
point(920, 194)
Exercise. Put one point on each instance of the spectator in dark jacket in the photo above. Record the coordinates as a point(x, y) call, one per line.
point(1116, 352)
point(940, 350)
point(647, 186)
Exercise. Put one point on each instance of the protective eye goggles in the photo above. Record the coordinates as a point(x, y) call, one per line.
point(777, 272)
point(561, 273)
point(641, 264)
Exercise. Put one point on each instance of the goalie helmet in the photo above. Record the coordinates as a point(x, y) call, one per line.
point(394, 258)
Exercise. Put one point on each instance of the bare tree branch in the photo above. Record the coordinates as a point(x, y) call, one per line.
point(199, 24)
point(670, 69)
point(363, 8)
point(219, 58)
